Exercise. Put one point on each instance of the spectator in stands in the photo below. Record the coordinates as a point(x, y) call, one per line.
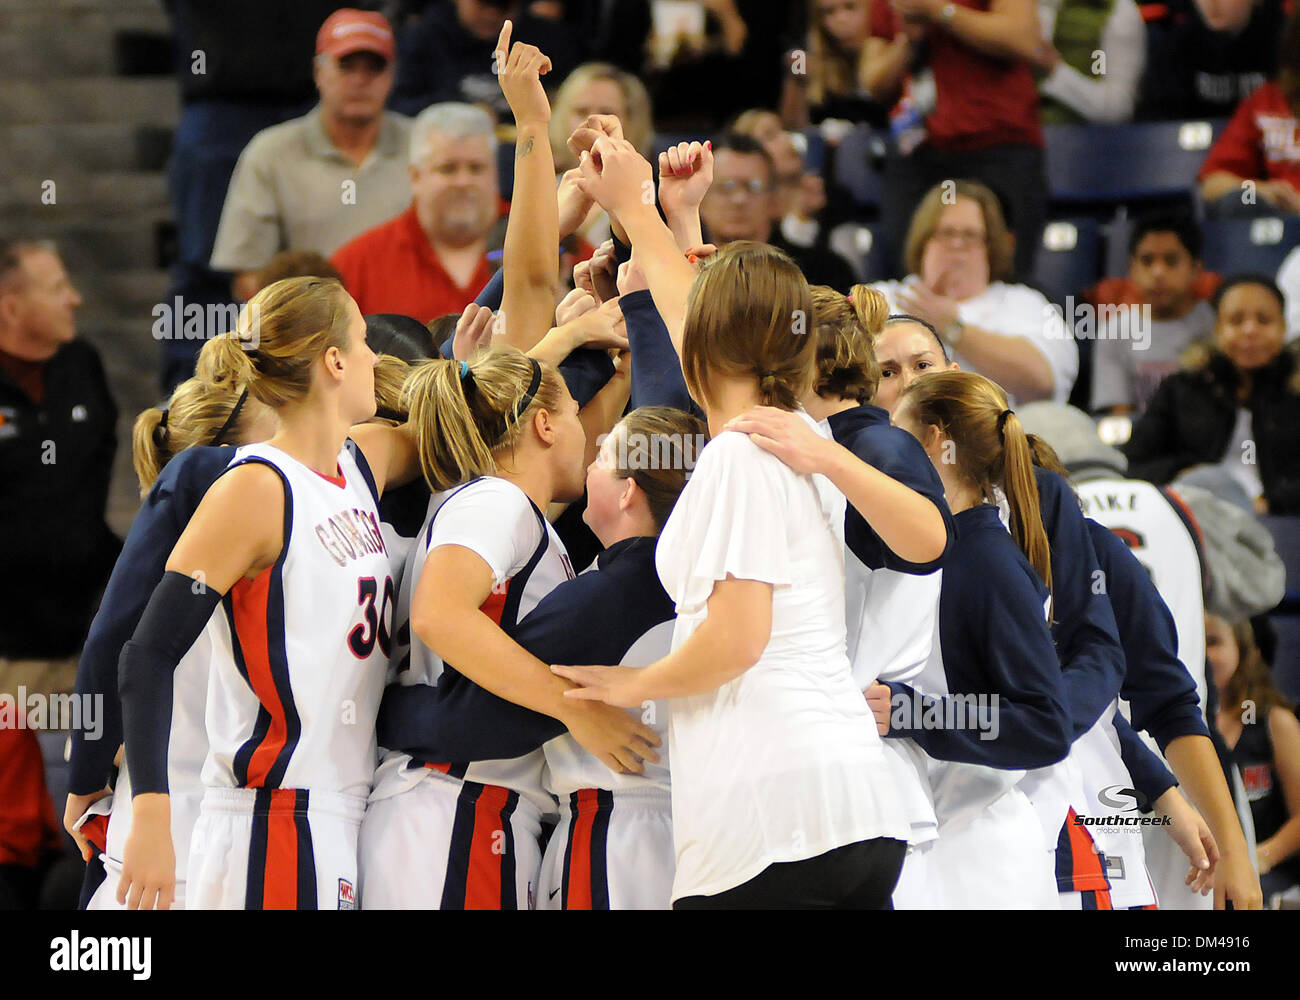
point(801, 192)
point(319, 180)
point(244, 82)
point(1141, 343)
point(1091, 60)
point(446, 55)
point(1255, 166)
point(295, 264)
point(1205, 56)
point(968, 107)
point(1260, 728)
point(1235, 403)
point(733, 63)
point(57, 442)
point(826, 79)
point(432, 258)
point(958, 256)
point(743, 204)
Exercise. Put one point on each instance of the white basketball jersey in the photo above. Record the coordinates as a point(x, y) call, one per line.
point(299, 653)
point(1158, 536)
point(489, 515)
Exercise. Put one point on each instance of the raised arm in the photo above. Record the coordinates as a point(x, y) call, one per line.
point(909, 523)
point(619, 178)
point(531, 260)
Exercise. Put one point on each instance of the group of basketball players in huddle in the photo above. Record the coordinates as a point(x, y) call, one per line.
point(356, 668)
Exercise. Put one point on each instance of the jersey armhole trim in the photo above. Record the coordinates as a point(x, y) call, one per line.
point(363, 466)
point(287, 527)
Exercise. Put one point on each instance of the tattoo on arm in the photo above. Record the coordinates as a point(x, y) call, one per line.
point(524, 149)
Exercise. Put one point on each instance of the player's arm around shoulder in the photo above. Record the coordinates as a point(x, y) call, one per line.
point(237, 530)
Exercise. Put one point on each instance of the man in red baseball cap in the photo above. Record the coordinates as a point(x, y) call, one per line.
point(350, 30)
point(315, 182)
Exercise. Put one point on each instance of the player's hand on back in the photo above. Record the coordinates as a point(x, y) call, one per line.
point(614, 736)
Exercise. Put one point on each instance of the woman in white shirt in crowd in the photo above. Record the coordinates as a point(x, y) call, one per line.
point(959, 254)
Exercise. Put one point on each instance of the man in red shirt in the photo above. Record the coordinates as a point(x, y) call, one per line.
point(432, 259)
point(968, 108)
point(1262, 145)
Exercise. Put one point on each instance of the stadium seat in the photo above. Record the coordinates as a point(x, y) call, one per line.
point(1233, 246)
point(1116, 163)
point(1068, 259)
point(853, 169)
point(1286, 617)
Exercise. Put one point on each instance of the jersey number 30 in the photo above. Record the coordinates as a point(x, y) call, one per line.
point(378, 621)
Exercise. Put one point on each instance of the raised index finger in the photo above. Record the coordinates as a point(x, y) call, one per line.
point(503, 44)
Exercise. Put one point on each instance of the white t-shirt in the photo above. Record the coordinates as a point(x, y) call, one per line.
point(1011, 311)
point(784, 762)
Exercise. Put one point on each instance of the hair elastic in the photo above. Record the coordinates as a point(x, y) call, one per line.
point(1002, 424)
point(230, 420)
point(464, 369)
point(533, 386)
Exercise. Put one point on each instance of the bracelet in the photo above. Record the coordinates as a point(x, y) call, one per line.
point(953, 332)
point(947, 13)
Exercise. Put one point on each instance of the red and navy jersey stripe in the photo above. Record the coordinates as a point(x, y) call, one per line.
point(255, 612)
point(1080, 865)
point(481, 859)
point(281, 863)
point(586, 878)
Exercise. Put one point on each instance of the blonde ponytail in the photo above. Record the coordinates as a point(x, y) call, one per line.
point(464, 414)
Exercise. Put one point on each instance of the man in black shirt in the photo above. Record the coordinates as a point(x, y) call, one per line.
point(1205, 56)
point(57, 442)
point(446, 55)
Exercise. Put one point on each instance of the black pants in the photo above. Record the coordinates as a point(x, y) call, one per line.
point(1015, 173)
point(857, 876)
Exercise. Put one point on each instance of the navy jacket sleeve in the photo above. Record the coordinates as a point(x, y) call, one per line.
point(657, 378)
point(1149, 774)
point(492, 291)
point(162, 518)
point(1087, 638)
point(1160, 692)
point(592, 619)
point(900, 456)
point(994, 640)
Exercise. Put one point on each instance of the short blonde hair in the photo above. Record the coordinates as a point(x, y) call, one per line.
point(925, 220)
